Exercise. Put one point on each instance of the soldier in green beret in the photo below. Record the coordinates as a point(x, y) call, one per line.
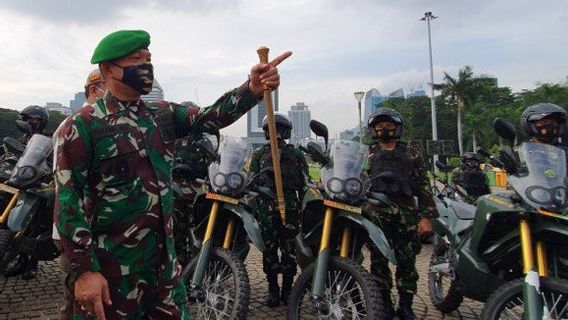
point(113, 177)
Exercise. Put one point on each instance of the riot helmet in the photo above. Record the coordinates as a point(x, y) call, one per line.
point(386, 115)
point(470, 161)
point(545, 132)
point(283, 126)
point(36, 116)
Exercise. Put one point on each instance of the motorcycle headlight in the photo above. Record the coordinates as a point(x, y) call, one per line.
point(539, 195)
point(560, 195)
point(26, 173)
point(235, 180)
point(353, 186)
point(335, 185)
point(219, 180)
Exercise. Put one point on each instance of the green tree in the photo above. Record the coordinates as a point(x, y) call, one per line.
point(461, 91)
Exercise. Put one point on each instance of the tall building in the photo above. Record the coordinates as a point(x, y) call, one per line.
point(416, 93)
point(255, 134)
point(397, 94)
point(157, 93)
point(56, 106)
point(77, 103)
point(300, 116)
point(373, 100)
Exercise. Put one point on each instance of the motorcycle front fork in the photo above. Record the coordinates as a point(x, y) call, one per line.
point(533, 305)
point(322, 261)
point(207, 246)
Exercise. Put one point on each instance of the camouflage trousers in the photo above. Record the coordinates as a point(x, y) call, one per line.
point(183, 218)
point(142, 295)
point(275, 236)
point(399, 226)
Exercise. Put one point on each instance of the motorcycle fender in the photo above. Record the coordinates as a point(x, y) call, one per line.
point(441, 225)
point(310, 195)
point(249, 222)
point(23, 211)
point(375, 233)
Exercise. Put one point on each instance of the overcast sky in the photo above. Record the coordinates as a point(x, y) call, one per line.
point(203, 48)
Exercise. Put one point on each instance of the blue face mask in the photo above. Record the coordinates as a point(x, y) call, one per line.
point(140, 77)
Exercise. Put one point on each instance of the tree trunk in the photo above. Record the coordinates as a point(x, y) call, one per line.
point(460, 142)
point(474, 137)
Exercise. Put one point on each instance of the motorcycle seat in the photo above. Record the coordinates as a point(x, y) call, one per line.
point(464, 211)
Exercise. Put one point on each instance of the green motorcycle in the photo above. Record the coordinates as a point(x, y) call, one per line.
point(216, 278)
point(488, 252)
point(333, 284)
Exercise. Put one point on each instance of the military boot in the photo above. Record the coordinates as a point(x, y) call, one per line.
point(404, 310)
point(287, 282)
point(30, 270)
point(387, 302)
point(273, 291)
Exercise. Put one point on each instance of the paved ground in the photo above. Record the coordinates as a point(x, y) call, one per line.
point(39, 298)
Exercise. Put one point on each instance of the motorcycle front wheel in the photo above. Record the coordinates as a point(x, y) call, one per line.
point(225, 291)
point(507, 301)
point(443, 286)
point(350, 293)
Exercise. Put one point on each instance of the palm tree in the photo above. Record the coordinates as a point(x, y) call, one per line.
point(461, 91)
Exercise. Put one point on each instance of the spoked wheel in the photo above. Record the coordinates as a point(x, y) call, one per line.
point(225, 290)
point(350, 293)
point(507, 301)
point(442, 284)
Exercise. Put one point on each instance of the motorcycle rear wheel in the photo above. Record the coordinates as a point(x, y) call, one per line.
point(507, 301)
point(225, 287)
point(444, 289)
point(350, 292)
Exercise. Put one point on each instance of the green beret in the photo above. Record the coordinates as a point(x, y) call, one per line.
point(119, 44)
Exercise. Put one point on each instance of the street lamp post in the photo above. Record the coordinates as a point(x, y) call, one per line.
point(359, 96)
point(428, 16)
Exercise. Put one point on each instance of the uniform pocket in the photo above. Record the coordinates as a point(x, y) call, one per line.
point(119, 169)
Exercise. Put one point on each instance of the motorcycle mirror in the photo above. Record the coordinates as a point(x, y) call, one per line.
point(505, 129)
point(320, 130)
point(482, 152)
point(441, 166)
point(24, 126)
point(13, 144)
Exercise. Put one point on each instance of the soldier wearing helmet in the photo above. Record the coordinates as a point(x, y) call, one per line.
point(275, 235)
point(470, 177)
point(37, 117)
point(403, 223)
point(544, 122)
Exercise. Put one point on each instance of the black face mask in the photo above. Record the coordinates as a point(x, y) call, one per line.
point(386, 135)
point(140, 77)
point(547, 133)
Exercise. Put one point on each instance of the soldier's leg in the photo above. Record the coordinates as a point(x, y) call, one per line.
point(380, 264)
point(169, 302)
point(270, 263)
point(406, 273)
point(66, 311)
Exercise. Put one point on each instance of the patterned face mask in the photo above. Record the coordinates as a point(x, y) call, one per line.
point(547, 133)
point(386, 135)
point(140, 77)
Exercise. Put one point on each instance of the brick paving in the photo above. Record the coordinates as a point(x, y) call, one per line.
point(39, 298)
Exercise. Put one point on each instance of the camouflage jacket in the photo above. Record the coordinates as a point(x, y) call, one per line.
point(426, 206)
point(113, 175)
point(301, 164)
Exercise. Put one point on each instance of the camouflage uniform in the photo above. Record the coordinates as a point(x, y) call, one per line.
point(399, 223)
point(269, 216)
point(114, 199)
point(474, 182)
